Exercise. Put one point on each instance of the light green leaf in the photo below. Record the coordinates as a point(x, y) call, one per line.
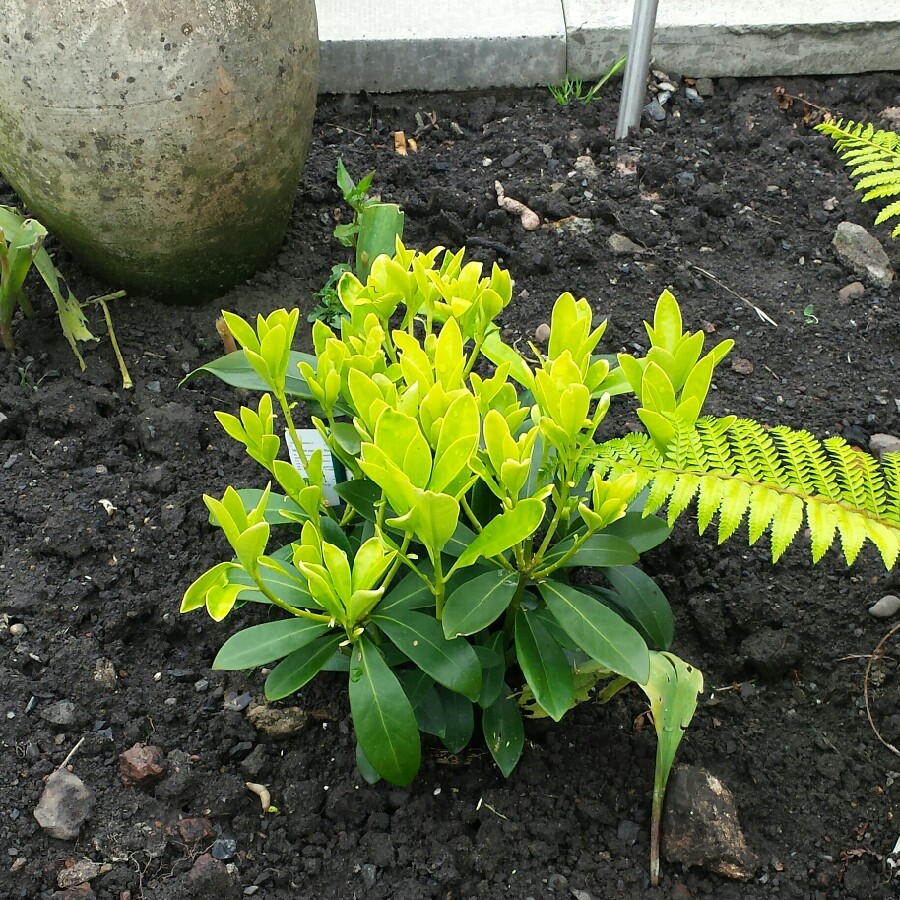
point(503, 532)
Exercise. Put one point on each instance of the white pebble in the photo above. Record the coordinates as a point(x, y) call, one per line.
point(885, 607)
point(17, 629)
point(542, 333)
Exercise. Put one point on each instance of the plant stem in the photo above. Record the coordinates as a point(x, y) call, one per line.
point(127, 383)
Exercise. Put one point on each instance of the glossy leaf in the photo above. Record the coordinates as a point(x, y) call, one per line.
point(603, 634)
point(236, 371)
point(599, 550)
point(293, 672)
point(452, 663)
point(459, 720)
point(642, 532)
point(493, 669)
point(383, 717)
point(507, 529)
point(644, 600)
point(479, 602)
point(410, 593)
point(544, 665)
point(503, 730)
point(261, 644)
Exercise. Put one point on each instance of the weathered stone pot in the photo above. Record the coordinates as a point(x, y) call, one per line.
point(161, 140)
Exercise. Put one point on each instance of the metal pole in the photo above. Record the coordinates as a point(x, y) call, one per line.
point(634, 84)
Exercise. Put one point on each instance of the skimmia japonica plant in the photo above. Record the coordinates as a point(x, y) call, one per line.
point(482, 559)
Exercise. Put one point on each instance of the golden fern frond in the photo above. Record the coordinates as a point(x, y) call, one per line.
point(774, 479)
point(874, 159)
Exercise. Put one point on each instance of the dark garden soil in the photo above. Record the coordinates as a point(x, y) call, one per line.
point(738, 187)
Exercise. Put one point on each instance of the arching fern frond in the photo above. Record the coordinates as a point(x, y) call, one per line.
point(874, 158)
point(737, 469)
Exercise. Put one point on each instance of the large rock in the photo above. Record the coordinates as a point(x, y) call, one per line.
point(64, 806)
point(859, 250)
point(701, 828)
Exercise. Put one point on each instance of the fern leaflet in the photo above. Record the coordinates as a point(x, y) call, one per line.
point(775, 478)
point(874, 159)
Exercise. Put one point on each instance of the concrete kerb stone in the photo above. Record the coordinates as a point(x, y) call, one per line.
point(395, 45)
point(401, 45)
point(716, 38)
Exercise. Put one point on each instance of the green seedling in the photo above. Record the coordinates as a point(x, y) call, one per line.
point(440, 584)
point(21, 247)
point(572, 89)
point(809, 317)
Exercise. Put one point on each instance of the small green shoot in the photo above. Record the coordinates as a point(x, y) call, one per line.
point(571, 89)
point(809, 317)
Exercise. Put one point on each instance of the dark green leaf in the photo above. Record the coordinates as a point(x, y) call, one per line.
point(430, 713)
point(477, 603)
point(347, 437)
point(503, 730)
point(642, 533)
point(416, 684)
point(602, 633)
point(544, 665)
point(491, 675)
point(234, 370)
point(638, 595)
point(361, 494)
point(383, 717)
point(599, 550)
point(410, 593)
point(301, 667)
point(452, 663)
point(339, 662)
point(461, 538)
point(459, 720)
point(261, 644)
point(334, 534)
point(365, 767)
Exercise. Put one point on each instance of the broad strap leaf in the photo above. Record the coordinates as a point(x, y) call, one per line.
point(261, 644)
point(477, 603)
point(383, 717)
point(296, 670)
point(602, 633)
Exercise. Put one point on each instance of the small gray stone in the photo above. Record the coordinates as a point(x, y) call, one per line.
point(369, 875)
point(704, 87)
point(623, 246)
point(628, 832)
point(224, 848)
point(852, 291)
point(863, 253)
point(65, 805)
point(83, 870)
point(879, 444)
point(60, 713)
point(886, 607)
point(655, 111)
point(685, 180)
point(701, 828)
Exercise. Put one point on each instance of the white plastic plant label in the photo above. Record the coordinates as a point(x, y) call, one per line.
point(311, 440)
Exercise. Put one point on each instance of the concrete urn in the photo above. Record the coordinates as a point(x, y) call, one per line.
point(160, 140)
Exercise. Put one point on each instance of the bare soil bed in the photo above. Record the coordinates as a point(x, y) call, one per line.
point(735, 194)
